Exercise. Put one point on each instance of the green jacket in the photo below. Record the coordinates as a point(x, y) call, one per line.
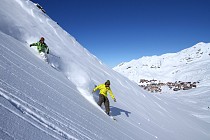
point(41, 47)
point(103, 90)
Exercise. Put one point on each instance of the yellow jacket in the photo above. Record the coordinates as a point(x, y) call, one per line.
point(103, 90)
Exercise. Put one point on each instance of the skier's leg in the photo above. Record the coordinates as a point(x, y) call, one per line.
point(101, 99)
point(44, 56)
point(106, 103)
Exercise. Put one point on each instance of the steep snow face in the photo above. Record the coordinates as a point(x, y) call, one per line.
point(27, 24)
point(41, 102)
point(191, 64)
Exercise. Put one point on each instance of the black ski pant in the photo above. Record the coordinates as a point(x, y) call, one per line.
point(105, 100)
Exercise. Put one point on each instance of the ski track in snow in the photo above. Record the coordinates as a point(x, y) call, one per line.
point(23, 118)
point(24, 70)
point(6, 134)
point(25, 108)
point(39, 90)
point(62, 116)
point(66, 122)
point(11, 52)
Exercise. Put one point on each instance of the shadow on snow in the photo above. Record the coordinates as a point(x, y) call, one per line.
point(117, 111)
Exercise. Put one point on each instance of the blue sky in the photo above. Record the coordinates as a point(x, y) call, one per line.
point(121, 30)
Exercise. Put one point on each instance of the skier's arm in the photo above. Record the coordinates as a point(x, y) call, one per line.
point(46, 46)
point(47, 50)
point(34, 44)
point(96, 88)
point(111, 94)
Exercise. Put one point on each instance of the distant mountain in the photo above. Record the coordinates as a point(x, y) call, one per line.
point(191, 64)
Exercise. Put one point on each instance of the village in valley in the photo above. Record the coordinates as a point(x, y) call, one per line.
point(157, 86)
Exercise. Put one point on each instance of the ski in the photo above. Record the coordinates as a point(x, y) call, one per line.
point(113, 118)
point(110, 116)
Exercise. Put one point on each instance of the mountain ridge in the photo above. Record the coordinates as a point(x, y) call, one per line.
point(167, 67)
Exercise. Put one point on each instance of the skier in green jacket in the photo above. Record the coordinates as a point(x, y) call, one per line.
point(42, 48)
point(104, 88)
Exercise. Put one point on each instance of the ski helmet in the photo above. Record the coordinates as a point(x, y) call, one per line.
point(42, 39)
point(107, 82)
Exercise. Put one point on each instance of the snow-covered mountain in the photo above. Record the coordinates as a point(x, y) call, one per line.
point(41, 102)
point(191, 64)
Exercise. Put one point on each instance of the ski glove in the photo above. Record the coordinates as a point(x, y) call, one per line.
point(115, 100)
point(30, 45)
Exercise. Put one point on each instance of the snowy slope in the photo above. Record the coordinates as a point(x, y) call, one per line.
point(191, 64)
point(38, 102)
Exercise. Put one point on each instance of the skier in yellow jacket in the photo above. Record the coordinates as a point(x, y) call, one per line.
point(104, 88)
